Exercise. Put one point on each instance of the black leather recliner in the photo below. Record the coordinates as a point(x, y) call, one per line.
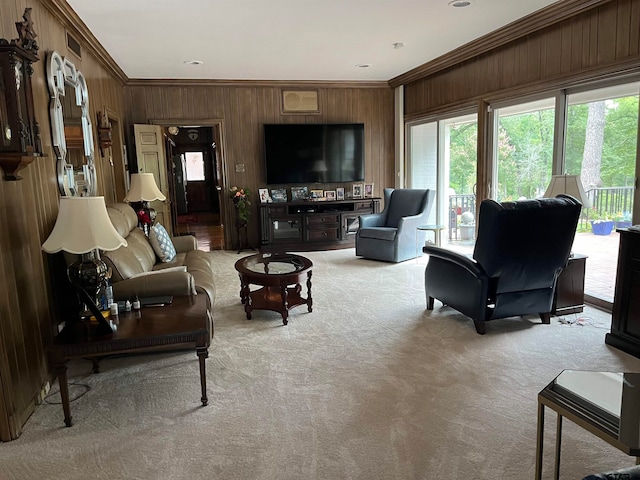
point(520, 250)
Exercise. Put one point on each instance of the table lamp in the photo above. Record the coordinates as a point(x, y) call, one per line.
point(143, 189)
point(569, 185)
point(82, 228)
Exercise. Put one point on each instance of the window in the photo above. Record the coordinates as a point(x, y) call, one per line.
point(443, 156)
point(195, 166)
point(523, 150)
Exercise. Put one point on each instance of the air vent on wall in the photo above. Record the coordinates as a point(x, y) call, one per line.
point(74, 45)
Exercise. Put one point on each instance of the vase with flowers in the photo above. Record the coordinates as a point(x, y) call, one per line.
point(240, 198)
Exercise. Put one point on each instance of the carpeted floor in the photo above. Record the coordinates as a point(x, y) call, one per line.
point(368, 386)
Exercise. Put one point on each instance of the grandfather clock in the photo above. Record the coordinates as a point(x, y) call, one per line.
point(20, 141)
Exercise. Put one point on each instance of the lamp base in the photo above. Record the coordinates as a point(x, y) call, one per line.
point(146, 217)
point(88, 276)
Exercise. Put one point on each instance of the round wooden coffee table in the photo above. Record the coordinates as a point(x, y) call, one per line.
point(280, 275)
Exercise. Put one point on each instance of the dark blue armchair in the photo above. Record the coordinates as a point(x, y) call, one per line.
point(392, 234)
point(521, 249)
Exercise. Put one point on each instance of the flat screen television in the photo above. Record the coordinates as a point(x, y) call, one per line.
point(314, 153)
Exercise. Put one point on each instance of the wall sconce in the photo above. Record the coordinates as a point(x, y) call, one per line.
point(104, 132)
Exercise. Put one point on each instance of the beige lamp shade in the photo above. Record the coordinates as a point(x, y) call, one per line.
point(143, 189)
point(569, 185)
point(83, 225)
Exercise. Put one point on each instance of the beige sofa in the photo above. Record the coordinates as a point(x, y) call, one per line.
point(136, 270)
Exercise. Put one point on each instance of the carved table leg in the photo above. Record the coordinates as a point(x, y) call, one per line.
point(309, 299)
point(203, 353)
point(285, 304)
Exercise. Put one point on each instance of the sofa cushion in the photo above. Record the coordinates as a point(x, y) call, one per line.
point(161, 243)
point(136, 257)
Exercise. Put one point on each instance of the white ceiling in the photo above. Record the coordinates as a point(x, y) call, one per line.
point(288, 39)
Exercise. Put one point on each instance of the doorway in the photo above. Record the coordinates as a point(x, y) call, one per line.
point(195, 175)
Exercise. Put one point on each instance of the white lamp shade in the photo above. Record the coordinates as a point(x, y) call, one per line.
point(143, 189)
point(83, 225)
point(569, 185)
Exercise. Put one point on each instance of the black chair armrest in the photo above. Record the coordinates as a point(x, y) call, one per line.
point(467, 263)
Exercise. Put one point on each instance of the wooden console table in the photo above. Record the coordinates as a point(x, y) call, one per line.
point(184, 322)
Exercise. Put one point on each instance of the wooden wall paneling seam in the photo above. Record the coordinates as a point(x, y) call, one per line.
point(566, 48)
point(622, 30)
point(576, 44)
point(634, 33)
point(607, 25)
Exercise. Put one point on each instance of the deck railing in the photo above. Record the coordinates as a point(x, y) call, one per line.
point(608, 202)
point(605, 202)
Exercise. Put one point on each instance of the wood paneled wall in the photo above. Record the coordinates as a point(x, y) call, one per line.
point(28, 210)
point(242, 110)
point(602, 41)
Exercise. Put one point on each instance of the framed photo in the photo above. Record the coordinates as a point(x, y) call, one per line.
point(295, 101)
point(340, 193)
point(368, 190)
point(330, 195)
point(279, 195)
point(357, 190)
point(299, 193)
point(317, 193)
point(263, 193)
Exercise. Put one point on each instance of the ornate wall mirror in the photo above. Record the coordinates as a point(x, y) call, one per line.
point(71, 131)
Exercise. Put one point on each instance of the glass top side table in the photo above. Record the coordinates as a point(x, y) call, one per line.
point(605, 404)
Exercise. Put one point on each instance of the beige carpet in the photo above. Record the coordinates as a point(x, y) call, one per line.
point(368, 386)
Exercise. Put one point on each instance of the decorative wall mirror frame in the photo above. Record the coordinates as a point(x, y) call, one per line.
point(73, 180)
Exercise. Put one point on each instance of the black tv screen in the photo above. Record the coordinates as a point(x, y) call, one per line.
point(312, 153)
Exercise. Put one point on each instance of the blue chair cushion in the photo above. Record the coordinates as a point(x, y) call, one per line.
point(379, 233)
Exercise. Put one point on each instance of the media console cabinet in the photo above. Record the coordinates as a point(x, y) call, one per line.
point(304, 226)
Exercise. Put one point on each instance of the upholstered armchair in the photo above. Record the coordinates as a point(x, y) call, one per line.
point(392, 234)
point(520, 251)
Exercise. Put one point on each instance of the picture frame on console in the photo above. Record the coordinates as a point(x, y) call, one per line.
point(279, 195)
point(330, 195)
point(263, 193)
point(299, 194)
point(357, 190)
point(317, 193)
point(368, 190)
point(340, 193)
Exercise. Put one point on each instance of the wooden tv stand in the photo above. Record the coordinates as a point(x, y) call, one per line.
point(305, 226)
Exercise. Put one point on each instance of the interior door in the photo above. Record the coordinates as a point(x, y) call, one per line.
point(151, 159)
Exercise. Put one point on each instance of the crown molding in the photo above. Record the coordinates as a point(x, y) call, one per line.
point(554, 13)
point(69, 19)
point(190, 82)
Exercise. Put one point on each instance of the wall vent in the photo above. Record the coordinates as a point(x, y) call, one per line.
point(74, 45)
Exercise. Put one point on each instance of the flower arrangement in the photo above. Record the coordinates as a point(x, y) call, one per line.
point(240, 198)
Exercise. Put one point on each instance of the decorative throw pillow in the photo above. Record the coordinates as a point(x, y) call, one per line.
point(161, 243)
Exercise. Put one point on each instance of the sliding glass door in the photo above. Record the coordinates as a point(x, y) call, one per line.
point(601, 146)
point(442, 155)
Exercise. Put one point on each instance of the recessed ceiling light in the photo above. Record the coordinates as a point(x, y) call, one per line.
point(363, 65)
point(193, 62)
point(460, 3)
point(398, 45)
